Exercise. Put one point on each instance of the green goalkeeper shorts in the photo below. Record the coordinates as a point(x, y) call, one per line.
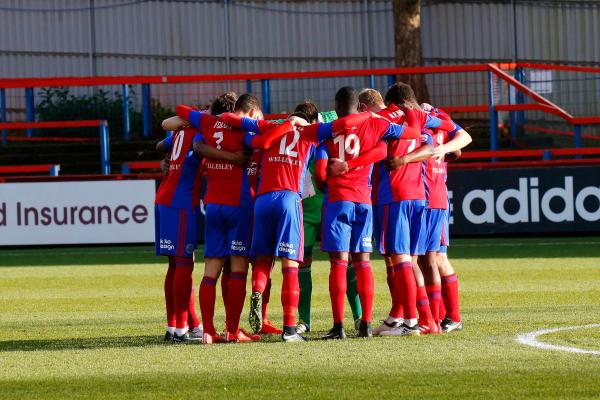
point(311, 214)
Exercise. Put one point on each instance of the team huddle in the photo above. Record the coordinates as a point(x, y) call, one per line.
point(370, 175)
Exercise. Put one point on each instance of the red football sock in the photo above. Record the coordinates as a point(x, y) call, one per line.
point(261, 270)
point(434, 294)
point(290, 295)
point(193, 320)
point(235, 301)
point(405, 289)
point(265, 299)
point(365, 285)
point(169, 299)
point(182, 282)
point(208, 292)
point(442, 306)
point(337, 288)
point(396, 311)
point(450, 295)
point(390, 278)
point(423, 306)
point(225, 276)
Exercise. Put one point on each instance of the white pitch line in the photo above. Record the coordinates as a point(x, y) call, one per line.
point(531, 339)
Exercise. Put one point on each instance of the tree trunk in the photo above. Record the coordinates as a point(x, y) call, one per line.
point(407, 37)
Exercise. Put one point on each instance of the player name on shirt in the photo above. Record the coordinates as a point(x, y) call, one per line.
point(285, 160)
point(221, 125)
point(219, 166)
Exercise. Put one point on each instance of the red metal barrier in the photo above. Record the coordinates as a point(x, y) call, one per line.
point(86, 123)
point(136, 165)
point(62, 178)
point(12, 83)
point(26, 169)
point(530, 93)
point(558, 132)
point(469, 155)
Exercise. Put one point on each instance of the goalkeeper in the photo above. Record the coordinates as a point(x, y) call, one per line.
point(312, 204)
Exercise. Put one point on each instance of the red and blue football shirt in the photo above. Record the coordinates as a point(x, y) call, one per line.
point(227, 183)
point(355, 184)
point(435, 168)
point(284, 165)
point(181, 187)
point(406, 182)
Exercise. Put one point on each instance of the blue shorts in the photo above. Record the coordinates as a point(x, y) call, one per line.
point(228, 230)
point(278, 229)
point(347, 226)
point(403, 228)
point(435, 220)
point(176, 231)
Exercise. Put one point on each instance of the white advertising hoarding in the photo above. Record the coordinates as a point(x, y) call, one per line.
point(77, 212)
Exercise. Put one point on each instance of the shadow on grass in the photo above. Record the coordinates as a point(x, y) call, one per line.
point(79, 343)
point(502, 248)
point(124, 341)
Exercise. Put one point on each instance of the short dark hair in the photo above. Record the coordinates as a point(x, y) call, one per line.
point(246, 103)
point(346, 99)
point(307, 110)
point(223, 103)
point(400, 93)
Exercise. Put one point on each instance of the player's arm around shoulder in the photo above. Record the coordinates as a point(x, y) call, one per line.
point(459, 139)
point(409, 130)
point(165, 145)
point(238, 158)
point(321, 159)
point(268, 138)
point(174, 124)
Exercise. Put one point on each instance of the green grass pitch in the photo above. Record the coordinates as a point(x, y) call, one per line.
point(88, 323)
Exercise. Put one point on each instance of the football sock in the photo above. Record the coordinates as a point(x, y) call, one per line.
point(225, 276)
point(305, 280)
point(396, 311)
point(423, 306)
point(366, 287)
point(442, 307)
point(181, 331)
point(182, 283)
point(193, 320)
point(390, 278)
point(337, 288)
point(450, 296)
point(171, 329)
point(235, 301)
point(352, 292)
point(266, 298)
point(434, 293)
point(290, 294)
point(260, 275)
point(405, 289)
point(169, 300)
point(208, 293)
